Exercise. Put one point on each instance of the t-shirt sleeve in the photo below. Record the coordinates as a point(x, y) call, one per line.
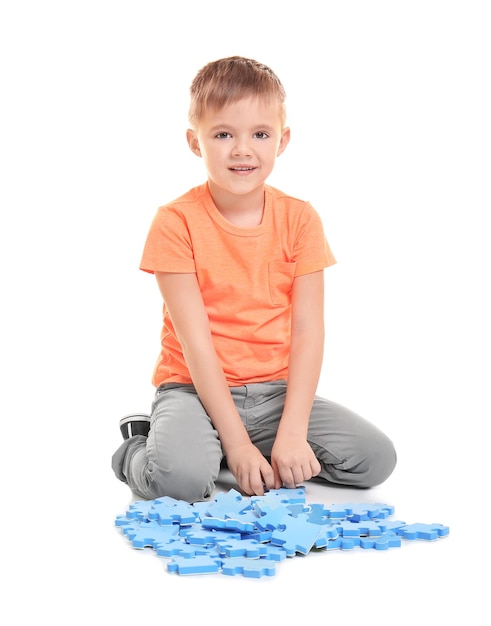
point(312, 251)
point(168, 246)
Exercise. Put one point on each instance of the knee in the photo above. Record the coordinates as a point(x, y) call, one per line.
point(379, 463)
point(184, 482)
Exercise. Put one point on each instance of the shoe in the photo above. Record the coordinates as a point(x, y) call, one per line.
point(134, 424)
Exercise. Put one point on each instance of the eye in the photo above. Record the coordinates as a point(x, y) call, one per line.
point(261, 135)
point(223, 135)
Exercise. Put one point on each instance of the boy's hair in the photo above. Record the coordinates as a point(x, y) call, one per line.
point(228, 80)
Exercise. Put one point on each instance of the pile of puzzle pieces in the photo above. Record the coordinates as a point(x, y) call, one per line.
point(249, 536)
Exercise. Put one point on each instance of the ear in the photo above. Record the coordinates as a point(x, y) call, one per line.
point(284, 141)
point(193, 142)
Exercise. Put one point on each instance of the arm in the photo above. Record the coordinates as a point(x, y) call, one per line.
point(184, 302)
point(292, 457)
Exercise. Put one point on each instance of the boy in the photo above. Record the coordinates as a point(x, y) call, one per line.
point(240, 268)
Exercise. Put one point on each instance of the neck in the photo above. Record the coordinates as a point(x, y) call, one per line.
point(241, 210)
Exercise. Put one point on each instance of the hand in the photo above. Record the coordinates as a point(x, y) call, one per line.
point(293, 461)
point(251, 470)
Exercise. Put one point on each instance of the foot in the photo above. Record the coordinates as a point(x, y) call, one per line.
point(134, 424)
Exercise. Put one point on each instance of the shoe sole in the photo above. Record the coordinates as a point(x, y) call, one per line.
point(134, 424)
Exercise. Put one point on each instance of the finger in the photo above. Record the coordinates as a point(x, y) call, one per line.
point(269, 477)
point(277, 478)
point(244, 484)
point(316, 467)
point(256, 483)
point(287, 478)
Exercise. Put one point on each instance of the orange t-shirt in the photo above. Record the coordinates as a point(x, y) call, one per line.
point(245, 276)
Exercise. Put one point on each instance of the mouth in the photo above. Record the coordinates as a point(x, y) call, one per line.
point(241, 169)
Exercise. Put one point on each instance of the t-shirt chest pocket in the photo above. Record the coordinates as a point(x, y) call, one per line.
point(280, 278)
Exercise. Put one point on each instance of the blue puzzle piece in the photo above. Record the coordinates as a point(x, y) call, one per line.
point(274, 497)
point(182, 549)
point(228, 504)
point(205, 537)
point(199, 565)
point(170, 511)
point(150, 534)
point(229, 524)
point(269, 517)
point(361, 511)
point(139, 509)
point(360, 529)
point(250, 568)
point(327, 533)
point(428, 532)
point(298, 535)
point(241, 548)
point(337, 511)
point(274, 553)
point(384, 542)
point(343, 543)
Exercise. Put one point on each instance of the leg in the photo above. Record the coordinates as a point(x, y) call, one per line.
point(352, 451)
point(181, 455)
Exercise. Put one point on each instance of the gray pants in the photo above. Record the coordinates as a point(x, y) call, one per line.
point(182, 455)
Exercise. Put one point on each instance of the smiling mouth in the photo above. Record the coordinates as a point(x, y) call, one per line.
point(242, 169)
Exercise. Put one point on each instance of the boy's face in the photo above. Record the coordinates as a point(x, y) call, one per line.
point(239, 144)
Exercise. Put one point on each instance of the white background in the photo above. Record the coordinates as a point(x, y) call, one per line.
point(389, 108)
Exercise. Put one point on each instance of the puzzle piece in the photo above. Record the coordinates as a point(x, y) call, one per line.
point(241, 548)
point(229, 524)
point(343, 543)
point(298, 535)
point(360, 529)
point(228, 504)
point(361, 511)
point(139, 509)
point(384, 542)
point(170, 511)
point(275, 497)
point(269, 517)
point(150, 534)
point(249, 568)
point(182, 549)
point(428, 532)
point(208, 537)
point(204, 564)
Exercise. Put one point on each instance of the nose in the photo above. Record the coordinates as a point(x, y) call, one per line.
point(241, 146)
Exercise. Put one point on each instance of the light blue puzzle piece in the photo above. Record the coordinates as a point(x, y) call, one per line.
point(206, 537)
point(360, 529)
point(199, 565)
point(177, 512)
point(182, 549)
point(327, 533)
point(228, 504)
point(428, 532)
point(275, 497)
point(230, 524)
point(150, 534)
point(343, 543)
point(139, 509)
point(269, 517)
point(362, 511)
point(318, 514)
point(262, 536)
point(298, 535)
point(274, 553)
point(241, 548)
point(384, 542)
point(250, 568)
point(337, 511)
